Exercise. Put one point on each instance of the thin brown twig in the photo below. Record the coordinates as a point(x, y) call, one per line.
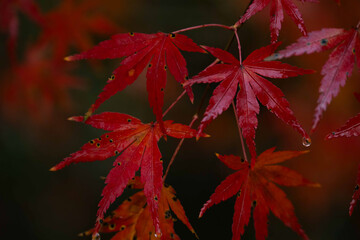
point(173, 104)
point(203, 26)
point(195, 117)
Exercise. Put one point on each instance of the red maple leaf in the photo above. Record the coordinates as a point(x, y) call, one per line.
point(160, 49)
point(338, 67)
point(136, 143)
point(277, 14)
point(71, 24)
point(132, 219)
point(256, 188)
point(247, 75)
point(9, 21)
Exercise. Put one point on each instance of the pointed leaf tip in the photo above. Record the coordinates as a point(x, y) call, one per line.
point(76, 118)
point(53, 169)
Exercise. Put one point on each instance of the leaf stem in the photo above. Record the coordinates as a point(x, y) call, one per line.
point(195, 117)
point(203, 26)
point(239, 45)
point(240, 134)
point(173, 104)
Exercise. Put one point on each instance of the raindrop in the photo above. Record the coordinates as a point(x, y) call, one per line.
point(96, 236)
point(306, 142)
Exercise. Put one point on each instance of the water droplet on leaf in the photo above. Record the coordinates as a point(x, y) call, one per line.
point(306, 142)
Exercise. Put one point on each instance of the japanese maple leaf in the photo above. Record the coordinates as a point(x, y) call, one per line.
point(136, 143)
point(9, 21)
point(132, 219)
point(34, 88)
point(248, 76)
point(338, 67)
point(256, 188)
point(71, 24)
point(277, 14)
point(160, 49)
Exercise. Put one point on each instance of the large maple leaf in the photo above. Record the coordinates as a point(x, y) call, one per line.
point(136, 143)
point(160, 49)
point(256, 188)
point(9, 21)
point(248, 76)
point(132, 219)
point(337, 68)
point(276, 14)
point(71, 24)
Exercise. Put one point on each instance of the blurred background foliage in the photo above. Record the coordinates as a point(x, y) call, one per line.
point(40, 91)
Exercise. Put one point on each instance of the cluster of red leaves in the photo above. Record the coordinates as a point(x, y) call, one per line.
point(248, 76)
point(256, 188)
point(162, 51)
point(40, 81)
point(132, 219)
point(136, 143)
point(338, 67)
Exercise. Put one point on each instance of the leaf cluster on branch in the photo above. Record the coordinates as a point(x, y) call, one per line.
point(150, 212)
